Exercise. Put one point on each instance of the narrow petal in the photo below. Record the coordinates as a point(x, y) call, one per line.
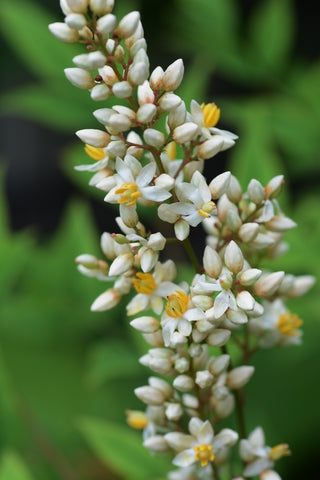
point(185, 458)
point(146, 175)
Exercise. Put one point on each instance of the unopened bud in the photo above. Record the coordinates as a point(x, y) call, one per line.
point(93, 137)
point(173, 76)
point(212, 262)
point(122, 89)
point(106, 301)
point(177, 116)
point(79, 78)
point(128, 24)
point(268, 284)
point(119, 123)
point(219, 185)
point(106, 24)
point(218, 337)
point(239, 376)
point(150, 395)
point(145, 324)
point(156, 443)
point(185, 132)
point(101, 7)
point(138, 73)
point(64, 33)
point(233, 257)
point(153, 137)
point(78, 6)
point(161, 385)
point(146, 113)
point(169, 101)
point(183, 383)
point(249, 277)
point(245, 300)
point(181, 229)
point(210, 147)
point(248, 231)
point(234, 191)
point(75, 21)
point(174, 411)
point(204, 379)
point(156, 78)
point(273, 188)
point(145, 93)
point(256, 192)
point(121, 264)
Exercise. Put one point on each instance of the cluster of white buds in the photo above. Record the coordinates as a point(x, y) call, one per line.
point(138, 163)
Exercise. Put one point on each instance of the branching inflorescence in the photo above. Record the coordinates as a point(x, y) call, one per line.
point(230, 300)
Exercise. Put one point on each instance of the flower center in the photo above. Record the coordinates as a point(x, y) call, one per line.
point(206, 209)
point(204, 454)
point(288, 324)
point(279, 451)
point(129, 194)
point(177, 304)
point(144, 283)
point(211, 114)
point(94, 152)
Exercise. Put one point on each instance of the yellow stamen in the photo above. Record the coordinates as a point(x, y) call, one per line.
point(171, 150)
point(288, 324)
point(177, 304)
point(94, 152)
point(144, 283)
point(211, 114)
point(136, 419)
point(204, 454)
point(279, 451)
point(206, 209)
point(129, 194)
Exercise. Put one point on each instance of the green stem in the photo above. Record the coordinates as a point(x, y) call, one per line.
point(191, 254)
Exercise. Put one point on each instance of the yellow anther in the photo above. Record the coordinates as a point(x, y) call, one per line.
point(211, 114)
point(279, 451)
point(204, 454)
point(129, 194)
point(289, 323)
point(177, 304)
point(94, 152)
point(144, 283)
point(136, 419)
point(171, 150)
point(206, 209)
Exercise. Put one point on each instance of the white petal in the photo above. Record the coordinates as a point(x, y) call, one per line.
point(157, 194)
point(257, 466)
point(205, 434)
point(221, 304)
point(124, 172)
point(137, 304)
point(184, 327)
point(256, 437)
point(225, 438)
point(185, 458)
point(168, 330)
point(146, 175)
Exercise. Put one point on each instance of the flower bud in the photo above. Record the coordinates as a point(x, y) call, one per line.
point(128, 24)
point(212, 262)
point(181, 229)
point(156, 78)
point(225, 407)
point(119, 123)
point(238, 317)
point(145, 93)
point(117, 148)
point(219, 185)
point(146, 113)
point(161, 385)
point(93, 137)
point(218, 337)
point(138, 73)
point(108, 75)
point(145, 324)
point(121, 264)
point(177, 116)
point(96, 60)
point(234, 191)
point(210, 147)
point(223, 207)
point(262, 240)
point(106, 24)
point(256, 192)
point(273, 188)
point(183, 383)
point(150, 395)
point(249, 277)
point(79, 78)
point(268, 284)
point(122, 89)
point(233, 220)
point(219, 364)
point(174, 411)
point(185, 132)
point(63, 32)
point(156, 443)
point(169, 101)
point(153, 137)
point(87, 260)
point(248, 231)
point(77, 6)
point(300, 286)
point(101, 7)
point(140, 44)
point(182, 365)
point(202, 301)
point(280, 223)
point(173, 76)
point(75, 21)
point(233, 257)
point(204, 379)
point(106, 301)
point(245, 300)
point(239, 376)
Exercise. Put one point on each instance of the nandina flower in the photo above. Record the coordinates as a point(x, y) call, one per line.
point(277, 326)
point(257, 455)
point(203, 446)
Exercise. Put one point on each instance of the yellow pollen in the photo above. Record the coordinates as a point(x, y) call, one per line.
point(129, 194)
point(279, 451)
point(211, 114)
point(177, 304)
point(136, 419)
point(94, 152)
point(288, 324)
point(206, 209)
point(144, 283)
point(204, 454)
point(171, 150)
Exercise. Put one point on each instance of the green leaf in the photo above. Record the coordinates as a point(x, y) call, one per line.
point(56, 104)
point(12, 467)
point(272, 33)
point(109, 360)
point(121, 449)
point(25, 26)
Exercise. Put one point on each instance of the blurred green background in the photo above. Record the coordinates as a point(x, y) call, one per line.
point(66, 374)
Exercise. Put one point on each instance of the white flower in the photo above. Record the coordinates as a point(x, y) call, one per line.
point(152, 289)
point(257, 455)
point(202, 445)
point(132, 182)
point(277, 326)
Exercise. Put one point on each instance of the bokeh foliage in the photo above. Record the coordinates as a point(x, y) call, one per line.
point(66, 374)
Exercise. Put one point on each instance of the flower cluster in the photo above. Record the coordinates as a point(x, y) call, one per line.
point(151, 152)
